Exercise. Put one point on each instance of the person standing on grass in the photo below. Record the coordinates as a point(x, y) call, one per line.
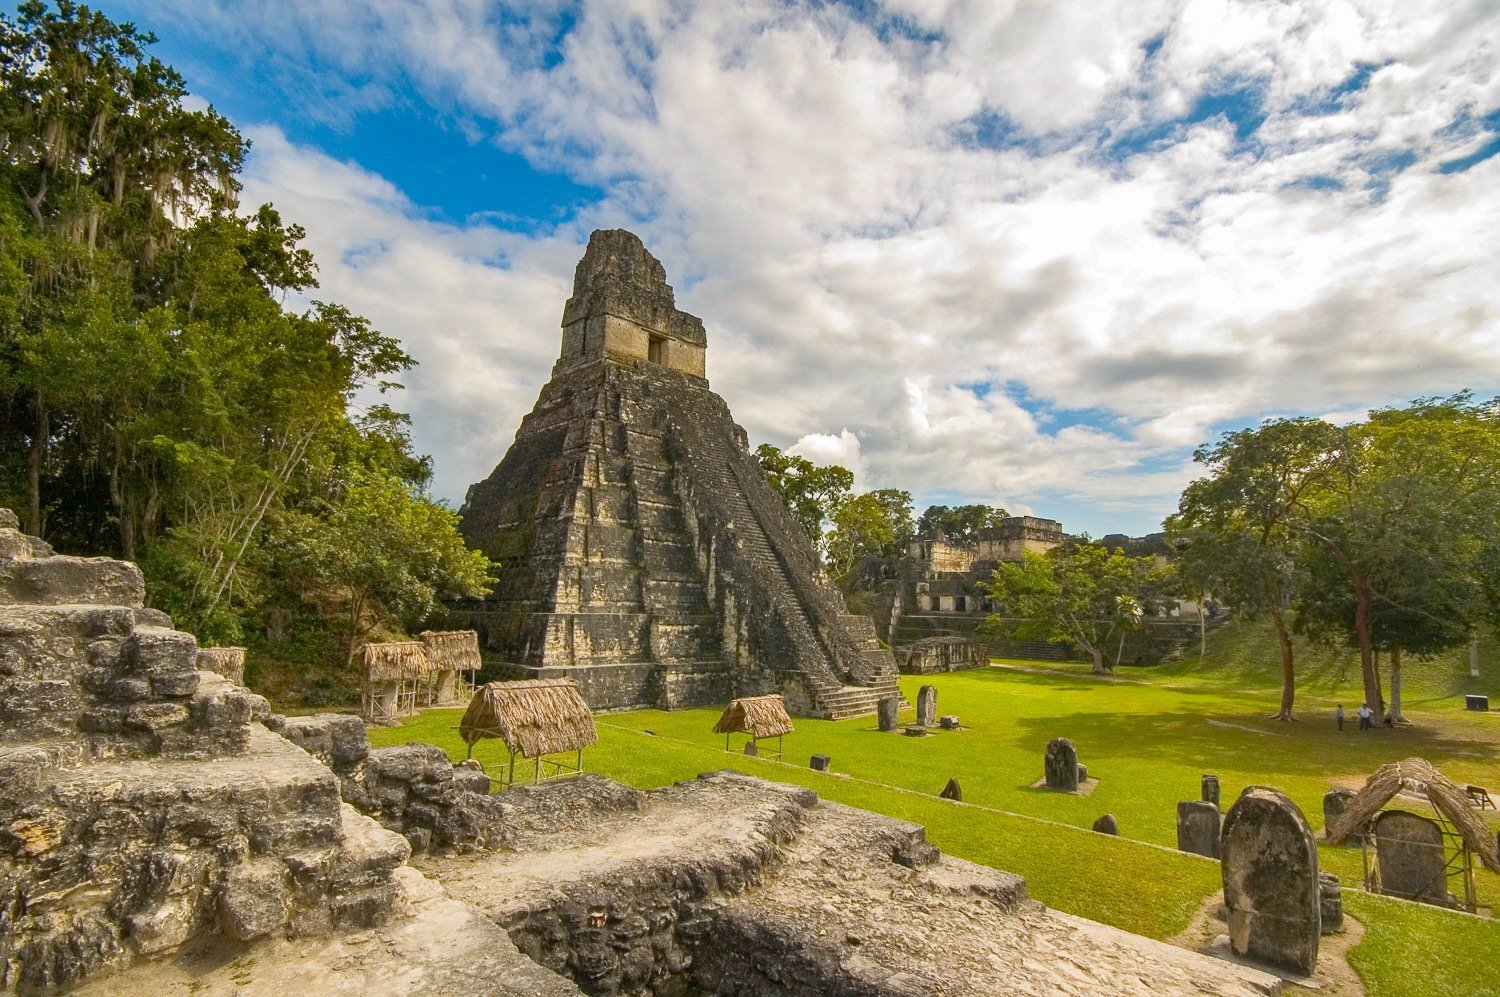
point(1338, 715)
point(1364, 716)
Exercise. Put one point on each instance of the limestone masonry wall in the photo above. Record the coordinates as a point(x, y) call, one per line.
point(142, 804)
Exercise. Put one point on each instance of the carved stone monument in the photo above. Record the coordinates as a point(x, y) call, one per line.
point(1211, 788)
point(1198, 827)
point(1409, 849)
point(1271, 888)
point(890, 713)
point(1062, 765)
point(1107, 825)
point(927, 706)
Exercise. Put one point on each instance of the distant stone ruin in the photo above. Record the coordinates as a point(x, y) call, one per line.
point(951, 653)
point(644, 554)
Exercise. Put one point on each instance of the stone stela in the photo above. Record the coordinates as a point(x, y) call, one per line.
point(1271, 885)
point(643, 552)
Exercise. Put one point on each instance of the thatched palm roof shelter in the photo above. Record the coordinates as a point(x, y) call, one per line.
point(1418, 775)
point(758, 716)
point(452, 650)
point(534, 717)
point(395, 661)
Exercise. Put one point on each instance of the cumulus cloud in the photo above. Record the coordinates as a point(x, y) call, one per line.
point(923, 233)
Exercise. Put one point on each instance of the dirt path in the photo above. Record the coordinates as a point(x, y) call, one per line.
point(1334, 976)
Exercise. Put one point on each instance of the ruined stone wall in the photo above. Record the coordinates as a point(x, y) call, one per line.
point(932, 655)
point(142, 802)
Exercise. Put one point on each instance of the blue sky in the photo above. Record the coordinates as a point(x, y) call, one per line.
point(1024, 254)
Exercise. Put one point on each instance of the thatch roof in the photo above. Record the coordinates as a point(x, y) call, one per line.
point(395, 661)
point(452, 650)
point(758, 716)
point(226, 661)
point(533, 717)
point(1418, 775)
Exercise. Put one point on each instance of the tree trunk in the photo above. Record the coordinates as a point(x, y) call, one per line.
point(1288, 677)
point(127, 535)
point(1474, 658)
point(36, 456)
point(1395, 714)
point(1098, 652)
point(1366, 647)
point(1202, 631)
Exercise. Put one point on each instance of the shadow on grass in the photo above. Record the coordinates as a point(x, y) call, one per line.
point(1188, 738)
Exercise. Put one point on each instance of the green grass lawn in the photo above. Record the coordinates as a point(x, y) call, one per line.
point(1148, 742)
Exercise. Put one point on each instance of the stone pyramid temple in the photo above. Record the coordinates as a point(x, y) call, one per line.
point(643, 553)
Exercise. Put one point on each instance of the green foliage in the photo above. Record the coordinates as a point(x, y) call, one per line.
point(961, 523)
point(871, 524)
point(382, 553)
point(1381, 534)
point(157, 400)
point(812, 493)
point(1235, 531)
point(1082, 594)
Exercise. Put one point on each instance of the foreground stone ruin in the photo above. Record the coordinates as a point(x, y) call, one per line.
point(157, 834)
point(142, 802)
point(645, 555)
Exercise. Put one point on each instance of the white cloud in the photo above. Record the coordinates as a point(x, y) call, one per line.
point(863, 268)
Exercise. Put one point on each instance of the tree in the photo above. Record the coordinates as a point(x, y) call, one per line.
point(158, 400)
point(869, 524)
point(1235, 530)
point(385, 555)
point(1399, 532)
point(812, 493)
point(960, 524)
point(1083, 594)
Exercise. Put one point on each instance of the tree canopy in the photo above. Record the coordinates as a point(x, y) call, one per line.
point(158, 399)
point(1083, 594)
point(1381, 533)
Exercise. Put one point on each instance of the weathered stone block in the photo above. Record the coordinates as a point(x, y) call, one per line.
point(153, 651)
point(1107, 825)
point(1411, 855)
point(889, 713)
point(253, 901)
point(72, 581)
point(175, 684)
point(952, 791)
point(1330, 903)
point(820, 763)
point(927, 706)
point(155, 716)
point(1335, 802)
